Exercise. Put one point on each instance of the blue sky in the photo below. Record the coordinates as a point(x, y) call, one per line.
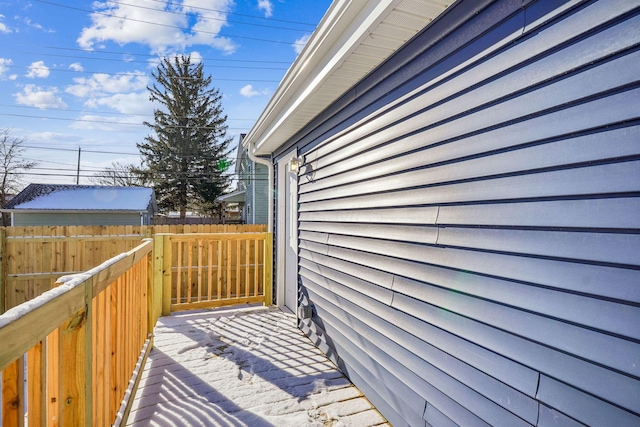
point(73, 74)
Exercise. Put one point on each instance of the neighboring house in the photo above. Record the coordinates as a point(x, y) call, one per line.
point(6, 218)
point(51, 204)
point(462, 213)
point(251, 193)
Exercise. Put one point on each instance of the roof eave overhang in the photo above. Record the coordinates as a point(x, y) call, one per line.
point(343, 29)
point(235, 197)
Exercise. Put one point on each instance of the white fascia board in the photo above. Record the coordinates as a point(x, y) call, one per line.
point(345, 25)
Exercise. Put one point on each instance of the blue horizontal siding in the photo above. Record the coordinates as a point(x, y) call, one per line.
point(470, 235)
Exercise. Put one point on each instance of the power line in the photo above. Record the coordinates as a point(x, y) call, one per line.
point(232, 67)
point(58, 163)
point(75, 150)
point(102, 112)
point(210, 17)
point(167, 25)
point(109, 122)
point(132, 54)
point(240, 14)
point(131, 74)
point(110, 172)
point(111, 175)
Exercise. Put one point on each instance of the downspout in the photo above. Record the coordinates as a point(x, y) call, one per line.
point(253, 194)
point(250, 151)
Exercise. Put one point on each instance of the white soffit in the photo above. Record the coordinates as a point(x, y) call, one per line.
point(353, 38)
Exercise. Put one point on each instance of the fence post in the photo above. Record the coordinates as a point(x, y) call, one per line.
point(158, 262)
point(267, 279)
point(77, 365)
point(151, 295)
point(3, 270)
point(166, 274)
point(88, 352)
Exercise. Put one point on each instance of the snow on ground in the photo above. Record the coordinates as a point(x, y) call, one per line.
point(248, 367)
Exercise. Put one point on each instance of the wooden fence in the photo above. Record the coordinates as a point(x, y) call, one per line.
point(211, 270)
point(77, 345)
point(34, 257)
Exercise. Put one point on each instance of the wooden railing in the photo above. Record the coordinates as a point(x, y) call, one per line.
point(69, 356)
point(33, 257)
point(77, 345)
point(211, 270)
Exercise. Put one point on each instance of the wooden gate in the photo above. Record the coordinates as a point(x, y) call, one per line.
point(212, 270)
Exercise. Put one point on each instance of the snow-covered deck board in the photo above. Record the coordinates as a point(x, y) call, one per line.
point(248, 367)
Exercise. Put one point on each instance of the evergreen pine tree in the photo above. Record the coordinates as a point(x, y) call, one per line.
point(185, 161)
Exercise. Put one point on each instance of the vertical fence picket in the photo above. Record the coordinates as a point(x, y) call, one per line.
point(227, 262)
point(179, 274)
point(256, 261)
point(189, 247)
point(36, 392)
point(112, 339)
point(109, 333)
point(219, 269)
point(53, 378)
point(238, 259)
point(247, 266)
point(200, 244)
point(11, 395)
point(100, 359)
point(210, 270)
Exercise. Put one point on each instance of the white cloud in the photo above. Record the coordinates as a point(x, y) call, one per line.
point(249, 91)
point(102, 84)
point(127, 103)
point(37, 26)
point(35, 96)
point(5, 63)
point(104, 123)
point(196, 57)
point(201, 29)
point(52, 137)
point(3, 27)
point(299, 44)
point(267, 6)
point(76, 66)
point(4, 66)
point(38, 70)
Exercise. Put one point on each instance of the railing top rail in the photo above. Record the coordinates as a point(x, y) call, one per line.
point(215, 236)
point(25, 325)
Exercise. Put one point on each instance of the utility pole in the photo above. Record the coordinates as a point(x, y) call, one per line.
point(78, 173)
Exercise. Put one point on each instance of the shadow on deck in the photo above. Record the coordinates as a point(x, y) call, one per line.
point(243, 367)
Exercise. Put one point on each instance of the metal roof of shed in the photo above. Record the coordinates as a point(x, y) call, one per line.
point(353, 38)
point(52, 197)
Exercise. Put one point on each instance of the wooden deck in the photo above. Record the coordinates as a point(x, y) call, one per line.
point(243, 367)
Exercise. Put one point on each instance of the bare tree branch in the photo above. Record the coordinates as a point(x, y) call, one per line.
point(120, 174)
point(12, 165)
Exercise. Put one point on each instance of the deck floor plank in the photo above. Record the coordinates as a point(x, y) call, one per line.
point(243, 367)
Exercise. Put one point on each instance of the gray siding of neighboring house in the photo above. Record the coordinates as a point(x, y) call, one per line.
point(110, 218)
point(254, 181)
point(247, 184)
point(470, 238)
point(261, 188)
